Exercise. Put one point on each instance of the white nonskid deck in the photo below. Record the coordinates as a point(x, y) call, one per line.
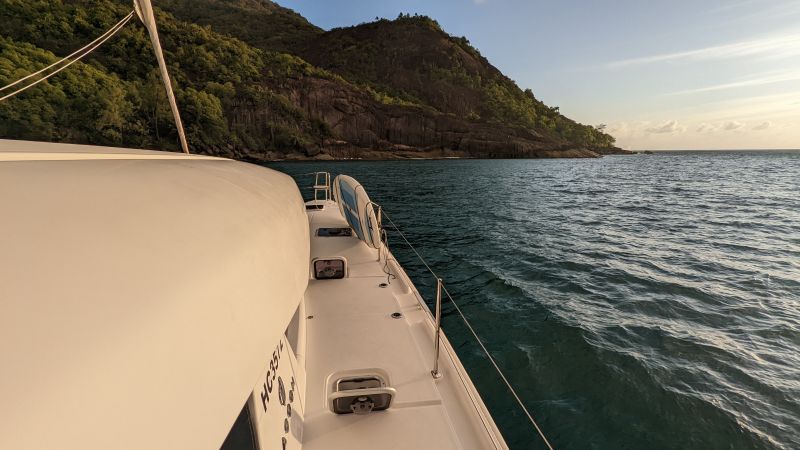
point(349, 326)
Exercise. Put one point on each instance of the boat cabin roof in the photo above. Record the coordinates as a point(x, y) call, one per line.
point(139, 293)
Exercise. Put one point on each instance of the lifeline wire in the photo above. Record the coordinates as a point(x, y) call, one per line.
point(477, 338)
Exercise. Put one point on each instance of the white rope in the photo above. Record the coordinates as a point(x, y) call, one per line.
point(475, 335)
point(111, 30)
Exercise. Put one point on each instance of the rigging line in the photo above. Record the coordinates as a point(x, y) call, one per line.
point(110, 30)
point(71, 62)
point(389, 275)
point(422, 260)
point(477, 338)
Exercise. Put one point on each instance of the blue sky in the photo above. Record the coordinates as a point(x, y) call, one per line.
point(702, 74)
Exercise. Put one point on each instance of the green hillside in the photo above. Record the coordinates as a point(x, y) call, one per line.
point(385, 89)
point(413, 58)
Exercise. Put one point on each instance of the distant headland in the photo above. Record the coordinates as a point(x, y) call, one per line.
point(258, 81)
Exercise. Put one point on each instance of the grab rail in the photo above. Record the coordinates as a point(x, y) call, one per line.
point(322, 183)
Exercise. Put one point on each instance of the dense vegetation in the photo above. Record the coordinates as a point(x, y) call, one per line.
point(238, 67)
point(262, 24)
point(115, 97)
point(412, 58)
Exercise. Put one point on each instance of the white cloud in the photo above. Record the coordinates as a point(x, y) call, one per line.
point(764, 12)
point(732, 125)
point(752, 108)
point(618, 127)
point(670, 126)
point(707, 134)
point(707, 127)
point(761, 79)
point(770, 46)
point(763, 125)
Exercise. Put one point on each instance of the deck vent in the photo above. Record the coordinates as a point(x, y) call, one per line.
point(361, 395)
point(334, 232)
point(314, 207)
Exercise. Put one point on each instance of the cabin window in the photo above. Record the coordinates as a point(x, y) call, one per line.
point(241, 435)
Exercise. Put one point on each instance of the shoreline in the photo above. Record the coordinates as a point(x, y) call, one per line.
point(406, 155)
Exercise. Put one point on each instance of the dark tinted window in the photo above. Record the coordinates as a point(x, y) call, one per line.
point(241, 435)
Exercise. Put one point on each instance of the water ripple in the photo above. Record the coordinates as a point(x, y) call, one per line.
point(637, 302)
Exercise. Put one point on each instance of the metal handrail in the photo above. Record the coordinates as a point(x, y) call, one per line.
point(435, 372)
point(324, 186)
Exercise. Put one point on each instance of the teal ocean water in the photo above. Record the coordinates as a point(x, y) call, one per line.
point(637, 302)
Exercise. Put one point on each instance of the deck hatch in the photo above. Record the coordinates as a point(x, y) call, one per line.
point(334, 232)
point(330, 269)
point(361, 395)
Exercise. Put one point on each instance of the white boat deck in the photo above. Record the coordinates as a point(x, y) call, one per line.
point(350, 326)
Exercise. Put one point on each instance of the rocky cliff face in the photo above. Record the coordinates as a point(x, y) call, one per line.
point(360, 122)
point(360, 127)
